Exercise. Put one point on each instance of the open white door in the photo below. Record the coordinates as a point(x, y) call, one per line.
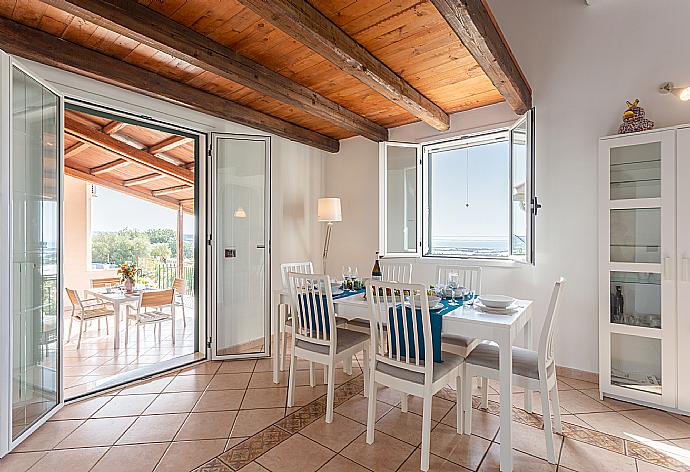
point(31, 136)
point(240, 246)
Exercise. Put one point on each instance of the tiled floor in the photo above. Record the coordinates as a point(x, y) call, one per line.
point(229, 416)
point(96, 362)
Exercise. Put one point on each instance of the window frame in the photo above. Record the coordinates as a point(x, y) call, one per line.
point(422, 195)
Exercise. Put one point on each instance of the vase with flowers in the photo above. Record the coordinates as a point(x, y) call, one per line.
point(127, 272)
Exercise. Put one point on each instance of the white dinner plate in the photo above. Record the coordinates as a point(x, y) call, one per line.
point(496, 311)
point(496, 301)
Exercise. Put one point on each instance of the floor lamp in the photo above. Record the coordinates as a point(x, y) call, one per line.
point(328, 212)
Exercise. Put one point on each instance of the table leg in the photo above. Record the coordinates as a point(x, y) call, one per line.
point(116, 336)
point(528, 345)
point(506, 387)
point(276, 342)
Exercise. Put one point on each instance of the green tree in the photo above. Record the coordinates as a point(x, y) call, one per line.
point(118, 247)
point(165, 236)
point(160, 251)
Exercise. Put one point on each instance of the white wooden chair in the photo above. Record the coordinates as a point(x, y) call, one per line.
point(150, 310)
point(315, 335)
point(402, 372)
point(85, 310)
point(180, 287)
point(285, 314)
point(400, 272)
point(468, 277)
point(532, 370)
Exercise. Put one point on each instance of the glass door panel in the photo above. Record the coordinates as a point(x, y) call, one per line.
point(636, 363)
point(636, 171)
point(636, 235)
point(636, 299)
point(35, 226)
point(242, 258)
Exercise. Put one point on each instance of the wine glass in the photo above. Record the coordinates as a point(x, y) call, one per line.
point(347, 270)
point(453, 286)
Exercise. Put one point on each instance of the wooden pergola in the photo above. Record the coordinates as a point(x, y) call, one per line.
point(312, 71)
point(145, 163)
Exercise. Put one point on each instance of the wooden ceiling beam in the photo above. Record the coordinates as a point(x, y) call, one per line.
point(131, 19)
point(113, 127)
point(75, 149)
point(144, 179)
point(117, 185)
point(473, 23)
point(125, 151)
point(169, 190)
point(110, 166)
point(47, 49)
point(310, 27)
point(169, 143)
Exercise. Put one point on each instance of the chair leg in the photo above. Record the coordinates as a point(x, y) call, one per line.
point(347, 365)
point(172, 321)
point(184, 315)
point(138, 326)
point(160, 331)
point(291, 378)
point(485, 393)
point(403, 402)
point(426, 431)
point(81, 331)
point(283, 338)
point(69, 331)
point(107, 330)
point(366, 371)
point(548, 430)
point(467, 403)
point(330, 398)
point(126, 331)
point(459, 403)
point(326, 373)
point(371, 409)
point(312, 377)
point(555, 402)
point(99, 325)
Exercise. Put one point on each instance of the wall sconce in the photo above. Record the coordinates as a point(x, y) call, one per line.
point(681, 92)
point(240, 213)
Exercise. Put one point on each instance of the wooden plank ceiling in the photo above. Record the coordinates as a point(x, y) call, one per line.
point(145, 163)
point(389, 62)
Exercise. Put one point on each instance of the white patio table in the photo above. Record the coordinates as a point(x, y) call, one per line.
point(117, 298)
point(466, 320)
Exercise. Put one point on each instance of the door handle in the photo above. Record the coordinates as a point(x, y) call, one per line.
point(261, 246)
point(667, 268)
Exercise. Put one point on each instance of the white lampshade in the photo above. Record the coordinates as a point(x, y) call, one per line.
point(329, 210)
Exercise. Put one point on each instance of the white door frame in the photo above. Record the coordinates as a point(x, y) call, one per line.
point(214, 247)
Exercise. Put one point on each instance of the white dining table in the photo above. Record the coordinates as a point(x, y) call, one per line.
point(118, 298)
point(466, 320)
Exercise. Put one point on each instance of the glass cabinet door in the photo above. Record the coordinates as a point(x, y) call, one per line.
point(636, 171)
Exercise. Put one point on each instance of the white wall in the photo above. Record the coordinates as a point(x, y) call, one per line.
point(582, 64)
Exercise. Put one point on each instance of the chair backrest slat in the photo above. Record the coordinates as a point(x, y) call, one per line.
point(312, 303)
point(403, 333)
point(156, 298)
point(73, 297)
point(179, 286)
point(546, 338)
point(104, 282)
point(300, 267)
point(468, 277)
point(396, 272)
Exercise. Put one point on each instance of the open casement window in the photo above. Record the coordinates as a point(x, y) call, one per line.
point(399, 200)
point(523, 202)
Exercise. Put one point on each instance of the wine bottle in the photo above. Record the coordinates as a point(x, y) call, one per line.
point(376, 271)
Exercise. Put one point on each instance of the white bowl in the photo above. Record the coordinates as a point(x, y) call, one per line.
point(496, 301)
point(433, 301)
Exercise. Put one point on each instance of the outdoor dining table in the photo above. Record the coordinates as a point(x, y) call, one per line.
point(466, 320)
point(117, 298)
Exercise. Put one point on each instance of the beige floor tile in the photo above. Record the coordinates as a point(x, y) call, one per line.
point(576, 420)
point(265, 380)
point(81, 410)
point(230, 381)
point(264, 365)
point(356, 408)
point(643, 466)
point(234, 367)
point(615, 405)
point(296, 454)
point(586, 458)
point(188, 383)
point(210, 425)
point(618, 425)
point(220, 400)
point(250, 422)
point(404, 426)
point(439, 407)
point(48, 435)
point(578, 384)
point(205, 368)
point(153, 428)
point(264, 398)
point(518, 400)
point(485, 425)
point(232, 442)
point(138, 457)
point(151, 386)
point(341, 464)
point(186, 455)
point(20, 461)
point(336, 435)
point(521, 462)
point(462, 449)
point(532, 440)
point(436, 464)
point(181, 402)
point(69, 460)
point(253, 467)
point(660, 422)
point(97, 432)
point(125, 405)
point(388, 395)
point(385, 454)
point(577, 402)
point(305, 394)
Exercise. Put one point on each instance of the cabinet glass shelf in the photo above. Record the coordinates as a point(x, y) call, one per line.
point(635, 171)
point(636, 363)
point(635, 299)
point(635, 235)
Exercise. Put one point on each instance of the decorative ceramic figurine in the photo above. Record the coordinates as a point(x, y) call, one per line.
point(634, 120)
